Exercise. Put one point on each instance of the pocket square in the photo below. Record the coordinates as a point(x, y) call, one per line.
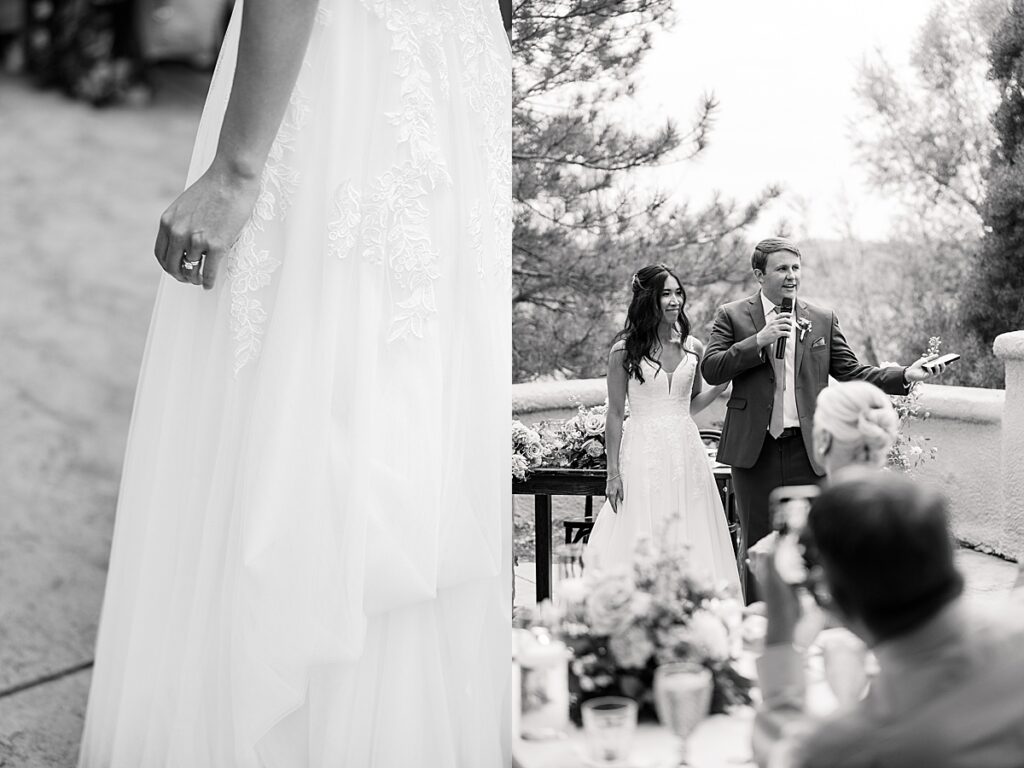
point(818, 342)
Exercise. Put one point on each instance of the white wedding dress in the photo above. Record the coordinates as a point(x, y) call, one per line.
point(311, 564)
point(669, 490)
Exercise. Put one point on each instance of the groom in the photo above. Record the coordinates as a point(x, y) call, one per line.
point(767, 436)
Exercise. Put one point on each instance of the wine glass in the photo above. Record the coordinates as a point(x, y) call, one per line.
point(682, 698)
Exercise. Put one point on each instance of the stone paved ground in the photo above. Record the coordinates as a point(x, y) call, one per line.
point(82, 191)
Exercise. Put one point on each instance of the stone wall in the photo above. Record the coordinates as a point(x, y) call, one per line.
point(979, 434)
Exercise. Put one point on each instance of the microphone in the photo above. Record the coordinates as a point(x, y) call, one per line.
point(780, 345)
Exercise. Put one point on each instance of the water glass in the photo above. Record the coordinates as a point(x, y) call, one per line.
point(609, 723)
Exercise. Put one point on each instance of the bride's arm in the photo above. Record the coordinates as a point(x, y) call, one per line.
point(699, 397)
point(617, 384)
point(209, 215)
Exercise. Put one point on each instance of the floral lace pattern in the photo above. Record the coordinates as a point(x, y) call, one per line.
point(389, 217)
point(386, 219)
point(342, 231)
point(248, 268)
point(659, 423)
point(487, 81)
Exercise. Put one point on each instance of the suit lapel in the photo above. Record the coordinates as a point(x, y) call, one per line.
point(756, 310)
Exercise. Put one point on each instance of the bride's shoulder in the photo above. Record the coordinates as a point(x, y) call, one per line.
point(694, 346)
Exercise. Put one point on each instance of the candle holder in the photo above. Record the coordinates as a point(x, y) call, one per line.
point(544, 686)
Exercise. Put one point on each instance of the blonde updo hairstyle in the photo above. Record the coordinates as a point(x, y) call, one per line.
point(854, 423)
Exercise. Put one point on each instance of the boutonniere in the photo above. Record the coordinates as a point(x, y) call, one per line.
point(804, 326)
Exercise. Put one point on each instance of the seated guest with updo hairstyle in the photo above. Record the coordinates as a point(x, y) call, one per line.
point(854, 423)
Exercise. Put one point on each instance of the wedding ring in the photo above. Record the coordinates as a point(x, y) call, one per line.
point(187, 265)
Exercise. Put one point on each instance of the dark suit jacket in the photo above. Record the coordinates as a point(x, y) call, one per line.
point(732, 354)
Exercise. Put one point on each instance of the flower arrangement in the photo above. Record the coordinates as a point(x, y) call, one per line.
point(908, 452)
point(527, 450)
point(577, 443)
point(621, 624)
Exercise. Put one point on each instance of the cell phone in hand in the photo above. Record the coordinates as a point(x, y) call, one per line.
point(789, 505)
point(949, 357)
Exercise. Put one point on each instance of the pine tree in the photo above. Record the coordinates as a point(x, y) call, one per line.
point(581, 227)
point(996, 295)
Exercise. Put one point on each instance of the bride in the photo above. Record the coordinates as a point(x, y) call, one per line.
point(311, 560)
point(660, 484)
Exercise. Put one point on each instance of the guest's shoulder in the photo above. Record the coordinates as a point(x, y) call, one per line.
point(694, 345)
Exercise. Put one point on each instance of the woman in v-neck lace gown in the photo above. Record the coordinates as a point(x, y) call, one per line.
point(660, 483)
point(311, 559)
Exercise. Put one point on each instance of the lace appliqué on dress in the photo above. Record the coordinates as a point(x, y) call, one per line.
point(389, 218)
point(249, 272)
point(487, 82)
point(248, 268)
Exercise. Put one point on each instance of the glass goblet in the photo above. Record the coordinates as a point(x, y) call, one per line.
point(682, 698)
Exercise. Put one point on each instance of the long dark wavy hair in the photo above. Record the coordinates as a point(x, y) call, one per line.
point(644, 316)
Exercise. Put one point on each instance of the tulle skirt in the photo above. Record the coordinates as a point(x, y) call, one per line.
point(669, 497)
point(311, 563)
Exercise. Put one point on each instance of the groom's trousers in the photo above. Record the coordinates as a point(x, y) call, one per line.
point(782, 461)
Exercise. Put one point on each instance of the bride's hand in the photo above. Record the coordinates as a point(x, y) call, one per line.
point(613, 492)
point(203, 223)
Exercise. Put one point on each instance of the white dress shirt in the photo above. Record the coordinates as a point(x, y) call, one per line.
point(790, 414)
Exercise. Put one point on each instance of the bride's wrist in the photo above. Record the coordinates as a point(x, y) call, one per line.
point(238, 171)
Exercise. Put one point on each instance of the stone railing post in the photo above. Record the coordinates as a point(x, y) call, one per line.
point(1009, 347)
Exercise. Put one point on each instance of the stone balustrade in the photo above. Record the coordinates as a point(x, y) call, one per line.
point(978, 434)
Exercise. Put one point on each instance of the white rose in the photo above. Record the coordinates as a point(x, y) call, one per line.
point(708, 636)
point(609, 601)
point(594, 448)
point(593, 424)
point(729, 610)
point(632, 648)
point(640, 605)
point(534, 452)
point(519, 467)
point(754, 629)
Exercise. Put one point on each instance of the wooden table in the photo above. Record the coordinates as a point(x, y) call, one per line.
point(545, 482)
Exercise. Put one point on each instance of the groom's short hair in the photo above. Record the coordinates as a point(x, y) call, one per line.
point(759, 258)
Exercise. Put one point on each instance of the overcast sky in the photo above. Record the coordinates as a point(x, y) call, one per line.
point(783, 72)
